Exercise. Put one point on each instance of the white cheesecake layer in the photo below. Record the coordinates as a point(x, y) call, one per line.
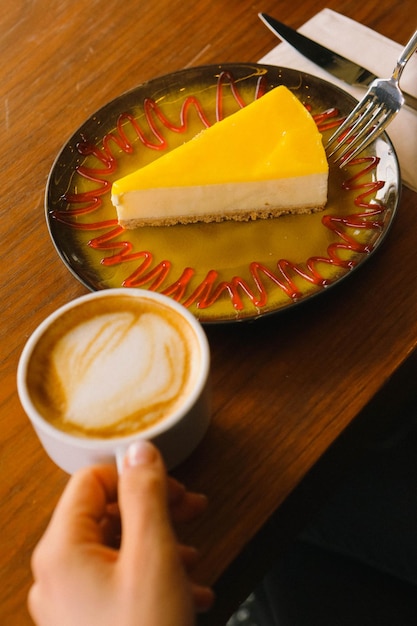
point(237, 201)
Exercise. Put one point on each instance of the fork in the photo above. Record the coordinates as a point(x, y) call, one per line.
point(372, 114)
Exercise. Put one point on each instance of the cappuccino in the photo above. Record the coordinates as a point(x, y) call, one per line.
point(113, 366)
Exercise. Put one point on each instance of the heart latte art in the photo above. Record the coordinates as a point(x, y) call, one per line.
point(113, 369)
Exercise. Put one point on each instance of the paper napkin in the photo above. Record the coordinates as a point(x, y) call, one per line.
point(371, 50)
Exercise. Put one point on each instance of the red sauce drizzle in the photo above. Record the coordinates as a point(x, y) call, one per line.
point(209, 290)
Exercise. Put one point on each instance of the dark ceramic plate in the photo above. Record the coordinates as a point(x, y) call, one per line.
point(222, 272)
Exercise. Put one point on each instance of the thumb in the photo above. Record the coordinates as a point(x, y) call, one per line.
point(143, 502)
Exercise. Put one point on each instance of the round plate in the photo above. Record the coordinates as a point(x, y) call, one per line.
point(222, 271)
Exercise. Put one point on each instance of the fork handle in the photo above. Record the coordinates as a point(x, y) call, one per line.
point(404, 57)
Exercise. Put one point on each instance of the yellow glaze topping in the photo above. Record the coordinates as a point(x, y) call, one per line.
point(273, 137)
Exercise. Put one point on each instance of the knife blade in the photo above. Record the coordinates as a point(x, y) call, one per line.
point(340, 67)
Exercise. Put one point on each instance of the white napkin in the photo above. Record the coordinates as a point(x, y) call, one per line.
point(371, 50)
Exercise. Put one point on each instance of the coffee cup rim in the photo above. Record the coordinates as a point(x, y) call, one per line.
point(150, 432)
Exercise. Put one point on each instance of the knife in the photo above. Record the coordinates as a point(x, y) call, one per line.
point(348, 71)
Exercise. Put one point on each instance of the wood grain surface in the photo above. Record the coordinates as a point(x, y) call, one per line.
point(285, 389)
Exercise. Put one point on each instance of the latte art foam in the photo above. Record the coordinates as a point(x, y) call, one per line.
point(114, 364)
point(114, 372)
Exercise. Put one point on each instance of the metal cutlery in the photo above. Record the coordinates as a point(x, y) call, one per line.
point(337, 65)
point(372, 114)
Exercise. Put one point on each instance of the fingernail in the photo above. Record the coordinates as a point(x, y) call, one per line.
point(140, 453)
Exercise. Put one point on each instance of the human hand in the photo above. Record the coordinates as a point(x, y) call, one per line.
point(82, 576)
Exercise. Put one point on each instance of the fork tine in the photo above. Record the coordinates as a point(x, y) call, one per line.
point(351, 127)
point(351, 119)
point(364, 124)
point(386, 117)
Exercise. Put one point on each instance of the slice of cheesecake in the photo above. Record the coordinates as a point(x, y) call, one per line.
point(264, 161)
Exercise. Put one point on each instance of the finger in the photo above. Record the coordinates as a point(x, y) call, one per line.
point(77, 518)
point(191, 507)
point(35, 604)
point(189, 556)
point(83, 504)
point(111, 528)
point(143, 503)
point(176, 490)
point(184, 505)
point(203, 597)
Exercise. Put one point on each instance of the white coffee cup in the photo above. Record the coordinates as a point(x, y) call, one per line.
point(93, 332)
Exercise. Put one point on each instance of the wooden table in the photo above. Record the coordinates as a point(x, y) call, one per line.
point(295, 396)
